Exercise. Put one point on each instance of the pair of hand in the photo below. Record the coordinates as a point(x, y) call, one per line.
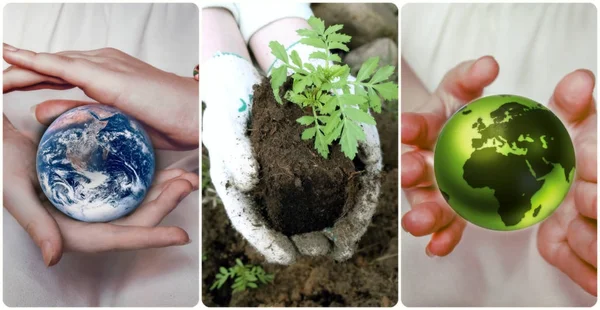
point(567, 239)
point(165, 103)
point(234, 170)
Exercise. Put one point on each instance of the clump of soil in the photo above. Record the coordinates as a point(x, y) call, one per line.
point(299, 190)
point(369, 278)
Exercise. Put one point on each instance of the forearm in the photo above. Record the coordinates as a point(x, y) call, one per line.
point(413, 93)
point(282, 31)
point(220, 33)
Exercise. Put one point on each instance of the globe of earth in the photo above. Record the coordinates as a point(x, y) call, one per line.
point(95, 164)
point(504, 162)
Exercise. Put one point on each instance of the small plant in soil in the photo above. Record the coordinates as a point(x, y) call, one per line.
point(244, 276)
point(333, 113)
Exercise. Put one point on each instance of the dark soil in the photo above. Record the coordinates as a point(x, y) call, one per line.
point(369, 278)
point(300, 190)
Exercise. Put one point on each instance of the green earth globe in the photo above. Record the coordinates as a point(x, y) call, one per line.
point(504, 162)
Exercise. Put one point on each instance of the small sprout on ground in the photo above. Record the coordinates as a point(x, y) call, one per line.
point(209, 194)
point(335, 113)
point(245, 276)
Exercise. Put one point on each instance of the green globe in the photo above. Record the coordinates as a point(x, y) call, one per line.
point(504, 162)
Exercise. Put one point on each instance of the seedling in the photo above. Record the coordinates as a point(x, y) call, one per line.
point(246, 276)
point(325, 91)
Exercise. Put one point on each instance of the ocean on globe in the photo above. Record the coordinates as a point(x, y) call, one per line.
point(504, 162)
point(95, 164)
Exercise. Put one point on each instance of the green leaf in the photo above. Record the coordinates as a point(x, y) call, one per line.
point(367, 69)
point(278, 51)
point(296, 59)
point(351, 100)
point(358, 115)
point(332, 122)
point(252, 285)
point(382, 74)
point(324, 98)
point(388, 90)
point(306, 120)
point(317, 24)
point(321, 145)
point(335, 58)
point(337, 45)
point(307, 33)
point(309, 66)
point(334, 134)
point(278, 77)
point(309, 133)
point(250, 277)
point(318, 55)
point(333, 28)
point(338, 37)
point(351, 134)
point(330, 105)
point(239, 262)
point(300, 85)
point(374, 101)
point(297, 99)
point(223, 270)
point(318, 43)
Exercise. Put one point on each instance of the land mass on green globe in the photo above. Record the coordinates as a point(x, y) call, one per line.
point(512, 148)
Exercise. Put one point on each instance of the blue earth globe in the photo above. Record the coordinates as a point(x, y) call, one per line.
point(95, 164)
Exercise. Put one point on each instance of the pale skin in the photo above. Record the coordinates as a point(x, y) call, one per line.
point(114, 78)
point(567, 240)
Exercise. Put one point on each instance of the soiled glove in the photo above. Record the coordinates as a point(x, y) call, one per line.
point(234, 170)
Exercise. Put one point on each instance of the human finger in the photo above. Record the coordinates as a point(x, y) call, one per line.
point(427, 218)
point(99, 237)
point(22, 202)
point(47, 111)
point(586, 197)
point(466, 81)
point(417, 169)
point(77, 71)
point(586, 150)
point(573, 97)
point(444, 241)
point(15, 78)
point(582, 238)
point(421, 129)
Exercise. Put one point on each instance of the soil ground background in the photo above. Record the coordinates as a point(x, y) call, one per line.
point(370, 277)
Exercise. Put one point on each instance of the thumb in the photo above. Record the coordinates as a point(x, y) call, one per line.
point(466, 81)
point(47, 111)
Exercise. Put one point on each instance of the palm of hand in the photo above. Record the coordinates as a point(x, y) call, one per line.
point(567, 240)
point(56, 233)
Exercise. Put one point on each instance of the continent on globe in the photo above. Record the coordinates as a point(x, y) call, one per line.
point(504, 162)
point(95, 164)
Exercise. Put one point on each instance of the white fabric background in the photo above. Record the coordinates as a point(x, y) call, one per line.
point(535, 45)
point(165, 36)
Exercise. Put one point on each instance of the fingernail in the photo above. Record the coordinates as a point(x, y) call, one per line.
point(47, 252)
point(32, 111)
point(188, 242)
point(428, 252)
point(9, 48)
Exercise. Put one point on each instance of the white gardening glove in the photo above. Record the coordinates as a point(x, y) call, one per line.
point(347, 230)
point(226, 82)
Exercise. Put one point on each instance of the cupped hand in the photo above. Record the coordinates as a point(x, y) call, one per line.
point(430, 214)
point(167, 104)
point(567, 239)
point(56, 233)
